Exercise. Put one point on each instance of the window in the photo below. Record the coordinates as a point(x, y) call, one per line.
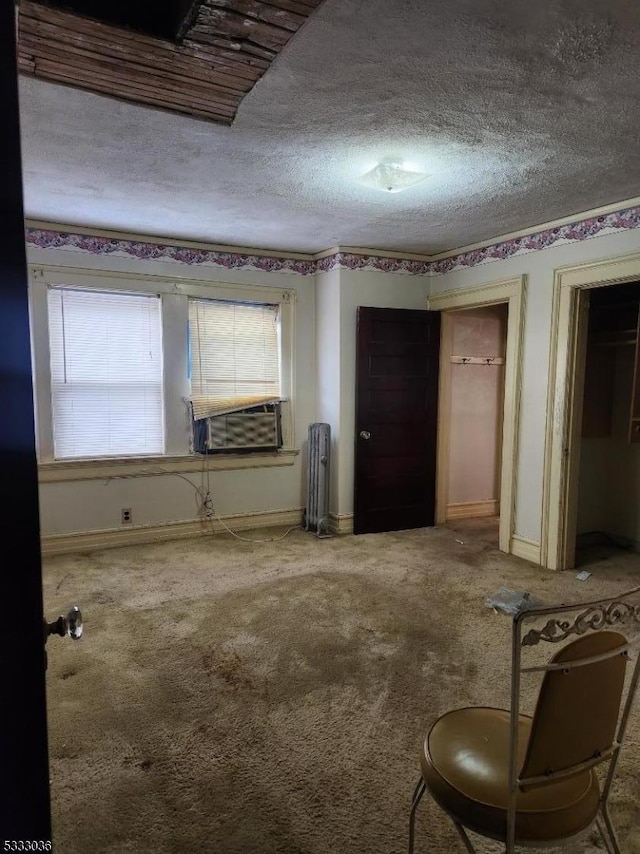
point(234, 356)
point(106, 373)
point(118, 358)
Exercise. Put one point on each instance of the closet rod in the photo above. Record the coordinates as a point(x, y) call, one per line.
point(477, 360)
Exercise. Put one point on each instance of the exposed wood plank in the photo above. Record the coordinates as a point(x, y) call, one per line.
point(223, 82)
point(228, 23)
point(239, 63)
point(229, 46)
point(188, 13)
point(159, 76)
point(114, 36)
point(245, 47)
point(262, 11)
point(156, 104)
point(69, 76)
point(54, 68)
point(191, 62)
point(26, 64)
point(33, 17)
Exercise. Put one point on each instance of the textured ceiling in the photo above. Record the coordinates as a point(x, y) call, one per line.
point(521, 112)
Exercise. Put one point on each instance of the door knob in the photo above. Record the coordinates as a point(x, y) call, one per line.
point(364, 434)
point(70, 625)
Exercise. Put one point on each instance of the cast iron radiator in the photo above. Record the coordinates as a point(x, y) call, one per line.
point(316, 514)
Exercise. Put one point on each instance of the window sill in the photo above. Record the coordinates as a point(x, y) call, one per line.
point(57, 472)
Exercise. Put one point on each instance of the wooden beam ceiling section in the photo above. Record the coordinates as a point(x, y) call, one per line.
point(224, 50)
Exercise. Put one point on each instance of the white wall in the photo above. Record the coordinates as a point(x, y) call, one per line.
point(92, 505)
point(539, 267)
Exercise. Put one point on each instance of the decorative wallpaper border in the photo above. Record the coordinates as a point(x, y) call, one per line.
point(45, 239)
point(380, 263)
point(577, 231)
point(622, 220)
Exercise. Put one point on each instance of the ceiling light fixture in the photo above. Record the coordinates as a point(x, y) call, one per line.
point(392, 177)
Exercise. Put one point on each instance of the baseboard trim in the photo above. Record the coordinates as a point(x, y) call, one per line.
point(341, 523)
point(83, 541)
point(472, 509)
point(526, 549)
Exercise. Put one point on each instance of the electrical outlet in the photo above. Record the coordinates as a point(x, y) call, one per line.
point(125, 515)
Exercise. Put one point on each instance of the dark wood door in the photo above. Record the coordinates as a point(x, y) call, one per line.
point(397, 356)
point(24, 761)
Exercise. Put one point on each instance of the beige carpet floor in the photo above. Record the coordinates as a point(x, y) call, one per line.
point(271, 698)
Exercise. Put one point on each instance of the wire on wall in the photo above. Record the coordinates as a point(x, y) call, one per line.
point(204, 500)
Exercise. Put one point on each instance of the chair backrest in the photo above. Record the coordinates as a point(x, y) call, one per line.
point(578, 707)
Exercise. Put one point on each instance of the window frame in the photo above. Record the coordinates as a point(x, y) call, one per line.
point(200, 344)
point(67, 300)
point(174, 292)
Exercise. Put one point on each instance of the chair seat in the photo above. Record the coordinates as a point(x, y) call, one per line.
point(465, 764)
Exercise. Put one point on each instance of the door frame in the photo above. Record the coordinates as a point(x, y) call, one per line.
point(512, 291)
point(564, 402)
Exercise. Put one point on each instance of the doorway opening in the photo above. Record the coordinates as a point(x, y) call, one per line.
point(608, 451)
point(572, 290)
point(512, 294)
point(472, 377)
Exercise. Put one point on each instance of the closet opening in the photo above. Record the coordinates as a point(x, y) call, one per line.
point(608, 506)
point(472, 380)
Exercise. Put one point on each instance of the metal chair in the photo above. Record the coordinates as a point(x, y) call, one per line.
point(536, 780)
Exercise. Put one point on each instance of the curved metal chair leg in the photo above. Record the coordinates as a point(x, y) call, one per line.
point(418, 792)
point(613, 838)
point(465, 838)
point(604, 835)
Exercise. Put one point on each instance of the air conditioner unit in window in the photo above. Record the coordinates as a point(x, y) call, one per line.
point(249, 430)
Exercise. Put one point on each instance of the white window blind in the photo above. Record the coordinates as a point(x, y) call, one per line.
point(106, 373)
point(234, 355)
